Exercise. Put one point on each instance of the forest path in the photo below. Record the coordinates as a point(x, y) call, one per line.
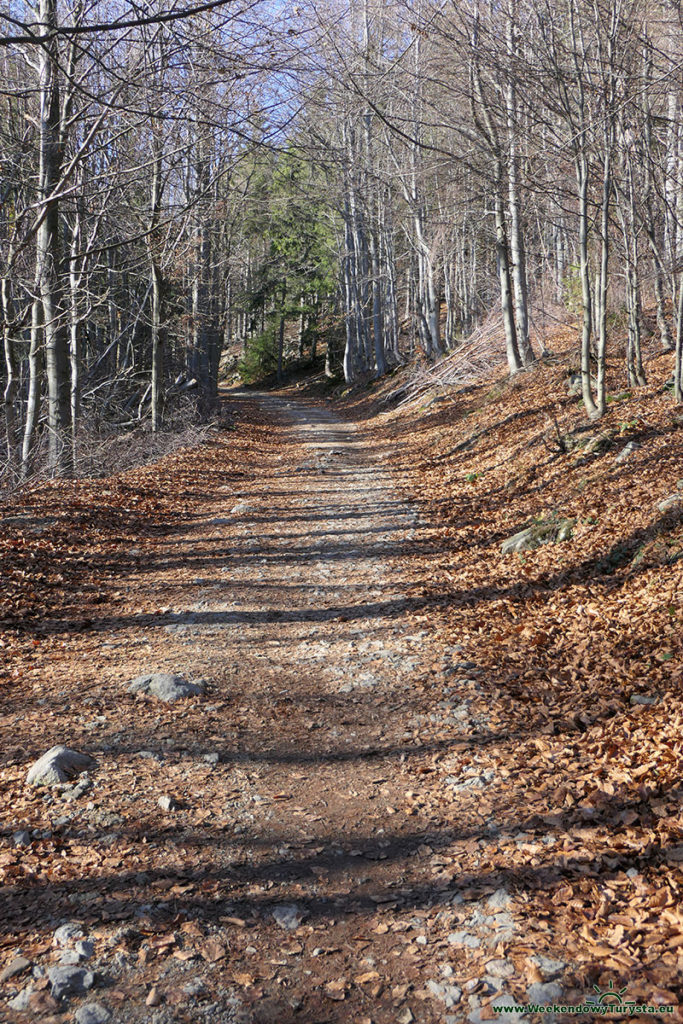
point(304, 870)
point(307, 620)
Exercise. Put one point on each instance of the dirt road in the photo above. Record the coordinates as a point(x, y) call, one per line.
point(305, 866)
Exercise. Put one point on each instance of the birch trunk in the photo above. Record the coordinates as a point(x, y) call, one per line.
point(49, 257)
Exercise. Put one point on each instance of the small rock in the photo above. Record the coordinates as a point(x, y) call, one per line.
point(153, 997)
point(289, 916)
point(92, 1013)
point(22, 837)
point(464, 939)
point(165, 686)
point(58, 765)
point(500, 968)
point(544, 992)
point(500, 900)
point(553, 530)
point(405, 1016)
point(67, 933)
point(640, 698)
point(504, 1014)
point(627, 451)
point(449, 995)
point(70, 981)
point(16, 966)
point(212, 758)
point(69, 958)
point(85, 949)
point(548, 966)
point(673, 501)
point(20, 1003)
point(194, 987)
point(168, 803)
point(241, 506)
point(220, 521)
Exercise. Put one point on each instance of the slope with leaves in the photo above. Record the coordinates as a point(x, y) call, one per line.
point(578, 648)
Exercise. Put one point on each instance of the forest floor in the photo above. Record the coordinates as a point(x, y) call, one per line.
point(426, 780)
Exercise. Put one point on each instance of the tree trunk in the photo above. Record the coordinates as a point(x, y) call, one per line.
point(49, 258)
point(11, 382)
point(586, 299)
point(502, 258)
point(35, 366)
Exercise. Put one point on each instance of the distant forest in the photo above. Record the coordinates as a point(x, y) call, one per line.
point(247, 183)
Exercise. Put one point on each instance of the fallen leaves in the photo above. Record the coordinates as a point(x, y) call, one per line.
point(213, 951)
point(337, 990)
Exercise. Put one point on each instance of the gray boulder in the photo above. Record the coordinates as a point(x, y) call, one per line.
point(548, 531)
point(289, 916)
point(67, 933)
point(627, 451)
point(58, 765)
point(20, 1003)
point(16, 966)
point(640, 698)
point(70, 981)
point(548, 966)
point(92, 1013)
point(673, 501)
point(544, 992)
point(165, 686)
point(448, 994)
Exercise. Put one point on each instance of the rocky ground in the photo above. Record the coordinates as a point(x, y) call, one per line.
point(330, 807)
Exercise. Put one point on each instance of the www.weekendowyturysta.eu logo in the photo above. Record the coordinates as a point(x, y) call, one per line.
point(606, 1001)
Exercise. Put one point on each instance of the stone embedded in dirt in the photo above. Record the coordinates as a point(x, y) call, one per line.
point(241, 506)
point(640, 698)
point(220, 521)
point(464, 939)
point(194, 987)
point(548, 965)
point(499, 900)
point(553, 530)
point(544, 992)
point(212, 758)
point(69, 958)
point(165, 686)
point(289, 916)
point(78, 790)
point(673, 501)
point(627, 451)
point(84, 948)
point(16, 966)
point(168, 803)
point(67, 933)
point(70, 981)
point(500, 968)
point(92, 1013)
point(20, 1003)
point(22, 837)
point(449, 995)
point(58, 765)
